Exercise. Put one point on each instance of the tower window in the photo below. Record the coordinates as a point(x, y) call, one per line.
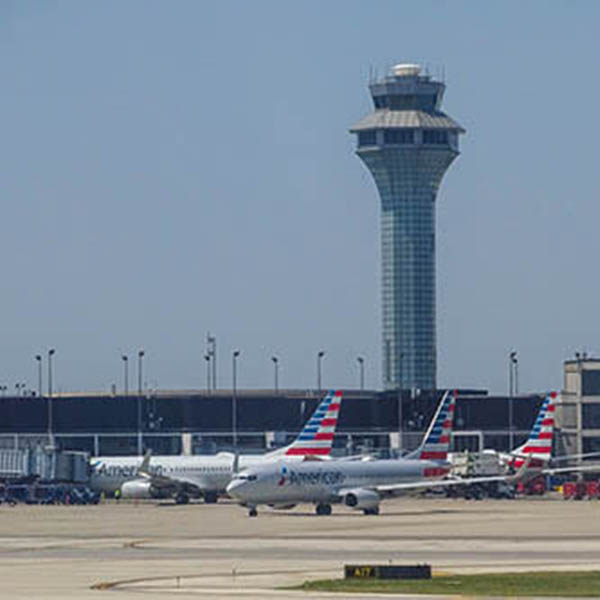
point(424, 102)
point(380, 101)
point(435, 136)
point(367, 138)
point(399, 136)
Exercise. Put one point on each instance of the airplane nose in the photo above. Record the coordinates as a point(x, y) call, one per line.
point(234, 488)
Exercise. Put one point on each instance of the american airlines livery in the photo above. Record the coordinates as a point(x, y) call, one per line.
point(208, 476)
point(538, 447)
point(537, 450)
point(362, 485)
point(357, 484)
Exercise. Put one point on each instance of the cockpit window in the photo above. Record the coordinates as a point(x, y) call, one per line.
point(251, 477)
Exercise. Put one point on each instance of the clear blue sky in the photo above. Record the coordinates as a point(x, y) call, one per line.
point(173, 168)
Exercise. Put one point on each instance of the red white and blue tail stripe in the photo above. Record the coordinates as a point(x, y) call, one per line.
point(436, 442)
point(316, 439)
point(538, 448)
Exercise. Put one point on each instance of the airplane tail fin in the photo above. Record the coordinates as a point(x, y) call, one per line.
point(436, 442)
point(316, 438)
point(538, 446)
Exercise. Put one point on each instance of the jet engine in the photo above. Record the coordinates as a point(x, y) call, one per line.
point(362, 499)
point(139, 489)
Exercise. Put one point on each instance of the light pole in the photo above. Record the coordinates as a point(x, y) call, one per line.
point(401, 357)
point(211, 340)
point(51, 353)
point(38, 358)
point(320, 356)
point(50, 407)
point(361, 366)
point(276, 366)
point(125, 374)
point(141, 354)
point(400, 407)
point(207, 359)
point(235, 355)
point(512, 371)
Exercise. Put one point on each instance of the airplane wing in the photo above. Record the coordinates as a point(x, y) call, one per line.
point(523, 474)
point(158, 481)
point(173, 485)
point(579, 469)
point(165, 482)
point(574, 456)
point(441, 483)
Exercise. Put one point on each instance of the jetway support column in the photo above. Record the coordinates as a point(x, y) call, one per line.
point(186, 444)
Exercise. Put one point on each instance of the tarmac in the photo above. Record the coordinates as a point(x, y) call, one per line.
point(160, 550)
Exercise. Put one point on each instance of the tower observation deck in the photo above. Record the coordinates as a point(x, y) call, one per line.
point(408, 144)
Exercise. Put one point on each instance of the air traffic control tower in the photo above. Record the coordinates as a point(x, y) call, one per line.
point(408, 143)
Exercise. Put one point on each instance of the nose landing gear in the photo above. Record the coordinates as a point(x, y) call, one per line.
point(371, 511)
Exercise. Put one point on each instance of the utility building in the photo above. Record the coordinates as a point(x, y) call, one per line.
point(408, 144)
point(578, 414)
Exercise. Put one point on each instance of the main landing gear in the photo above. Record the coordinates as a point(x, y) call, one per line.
point(371, 511)
point(252, 512)
point(323, 509)
point(210, 497)
point(182, 498)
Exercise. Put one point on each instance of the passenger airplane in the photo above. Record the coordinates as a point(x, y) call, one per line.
point(207, 476)
point(357, 484)
point(361, 485)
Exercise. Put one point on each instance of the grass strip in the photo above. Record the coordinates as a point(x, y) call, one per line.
point(540, 583)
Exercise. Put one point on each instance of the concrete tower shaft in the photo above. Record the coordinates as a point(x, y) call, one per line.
point(408, 144)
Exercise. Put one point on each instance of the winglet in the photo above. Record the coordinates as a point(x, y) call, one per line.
point(525, 472)
point(144, 468)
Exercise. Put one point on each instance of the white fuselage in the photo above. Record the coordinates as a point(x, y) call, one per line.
point(282, 482)
point(214, 472)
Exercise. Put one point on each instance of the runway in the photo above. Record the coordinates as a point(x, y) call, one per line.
point(160, 550)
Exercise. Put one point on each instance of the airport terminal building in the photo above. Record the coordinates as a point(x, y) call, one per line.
point(194, 422)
